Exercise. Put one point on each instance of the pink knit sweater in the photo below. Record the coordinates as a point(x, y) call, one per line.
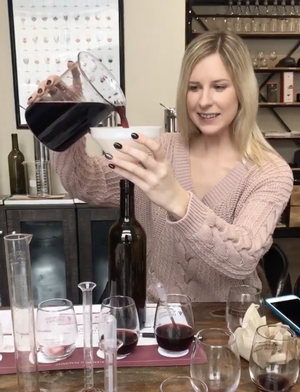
point(222, 237)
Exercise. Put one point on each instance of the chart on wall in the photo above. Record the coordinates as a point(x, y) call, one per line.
point(46, 34)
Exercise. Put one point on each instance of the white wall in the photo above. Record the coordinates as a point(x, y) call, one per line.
point(152, 28)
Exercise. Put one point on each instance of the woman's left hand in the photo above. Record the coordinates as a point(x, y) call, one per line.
point(152, 174)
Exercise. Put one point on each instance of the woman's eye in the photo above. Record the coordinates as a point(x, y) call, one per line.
point(220, 88)
point(193, 88)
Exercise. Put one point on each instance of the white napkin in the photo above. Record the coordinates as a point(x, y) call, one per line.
point(244, 335)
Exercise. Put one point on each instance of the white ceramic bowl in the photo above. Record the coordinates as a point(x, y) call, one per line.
point(107, 136)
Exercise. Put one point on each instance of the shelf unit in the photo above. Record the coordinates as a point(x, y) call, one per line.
point(199, 18)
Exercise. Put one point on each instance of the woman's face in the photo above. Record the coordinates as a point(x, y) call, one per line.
point(212, 101)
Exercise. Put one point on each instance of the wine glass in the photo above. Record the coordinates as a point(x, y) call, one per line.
point(27, 82)
point(35, 40)
point(23, 20)
point(47, 61)
point(261, 57)
point(174, 325)
point(183, 384)
point(26, 62)
point(88, 40)
point(109, 40)
point(274, 363)
point(239, 299)
point(215, 359)
point(55, 19)
point(98, 18)
point(76, 18)
point(66, 19)
point(56, 40)
point(56, 328)
point(44, 19)
point(34, 21)
point(46, 41)
point(87, 19)
point(36, 62)
point(128, 329)
point(77, 40)
point(24, 40)
point(57, 61)
point(273, 57)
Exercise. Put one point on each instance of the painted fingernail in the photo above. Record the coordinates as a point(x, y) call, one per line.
point(30, 98)
point(118, 146)
point(108, 156)
point(40, 90)
point(49, 82)
point(111, 166)
point(134, 135)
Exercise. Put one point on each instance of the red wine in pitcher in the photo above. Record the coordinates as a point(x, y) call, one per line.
point(58, 125)
point(173, 338)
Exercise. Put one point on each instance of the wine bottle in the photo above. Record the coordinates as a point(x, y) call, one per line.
point(16, 168)
point(127, 273)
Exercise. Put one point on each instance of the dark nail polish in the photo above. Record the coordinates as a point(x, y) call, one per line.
point(134, 135)
point(118, 146)
point(108, 156)
point(111, 166)
point(29, 98)
point(49, 82)
point(40, 90)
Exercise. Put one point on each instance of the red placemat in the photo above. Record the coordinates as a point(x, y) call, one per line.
point(142, 356)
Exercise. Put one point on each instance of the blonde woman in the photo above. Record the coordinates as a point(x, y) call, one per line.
point(210, 196)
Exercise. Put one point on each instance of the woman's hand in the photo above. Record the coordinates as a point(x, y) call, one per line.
point(153, 175)
point(54, 89)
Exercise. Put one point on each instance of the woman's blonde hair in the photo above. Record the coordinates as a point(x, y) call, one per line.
point(235, 55)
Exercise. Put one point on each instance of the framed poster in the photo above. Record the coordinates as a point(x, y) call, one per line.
point(46, 34)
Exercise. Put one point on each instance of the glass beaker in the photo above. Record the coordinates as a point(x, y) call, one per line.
point(79, 99)
point(22, 310)
point(38, 178)
point(87, 312)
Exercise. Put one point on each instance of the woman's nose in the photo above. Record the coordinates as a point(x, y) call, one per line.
point(205, 98)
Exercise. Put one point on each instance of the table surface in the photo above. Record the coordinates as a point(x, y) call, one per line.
point(142, 379)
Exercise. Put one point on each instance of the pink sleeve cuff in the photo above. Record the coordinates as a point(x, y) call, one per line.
point(197, 213)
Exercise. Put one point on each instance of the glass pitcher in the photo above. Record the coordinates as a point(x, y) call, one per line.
point(79, 99)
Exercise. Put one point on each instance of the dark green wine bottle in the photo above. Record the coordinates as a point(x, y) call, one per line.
point(127, 273)
point(16, 168)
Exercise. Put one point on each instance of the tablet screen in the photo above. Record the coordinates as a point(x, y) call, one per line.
point(290, 308)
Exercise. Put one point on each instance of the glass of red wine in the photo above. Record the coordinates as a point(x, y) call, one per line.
point(239, 299)
point(128, 329)
point(183, 384)
point(82, 97)
point(274, 358)
point(174, 325)
point(215, 360)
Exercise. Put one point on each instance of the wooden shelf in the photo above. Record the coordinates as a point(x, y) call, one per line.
point(264, 35)
point(281, 137)
point(278, 104)
point(277, 69)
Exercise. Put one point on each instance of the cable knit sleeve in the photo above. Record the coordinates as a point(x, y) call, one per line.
point(86, 177)
point(235, 249)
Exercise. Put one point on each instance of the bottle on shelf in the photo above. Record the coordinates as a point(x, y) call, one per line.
point(16, 168)
point(127, 253)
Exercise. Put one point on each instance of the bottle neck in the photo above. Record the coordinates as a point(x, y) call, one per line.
point(127, 201)
point(14, 139)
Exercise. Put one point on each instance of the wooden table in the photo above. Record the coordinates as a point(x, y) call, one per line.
point(142, 379)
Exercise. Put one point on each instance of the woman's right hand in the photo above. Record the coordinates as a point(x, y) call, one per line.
point(54, 89)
